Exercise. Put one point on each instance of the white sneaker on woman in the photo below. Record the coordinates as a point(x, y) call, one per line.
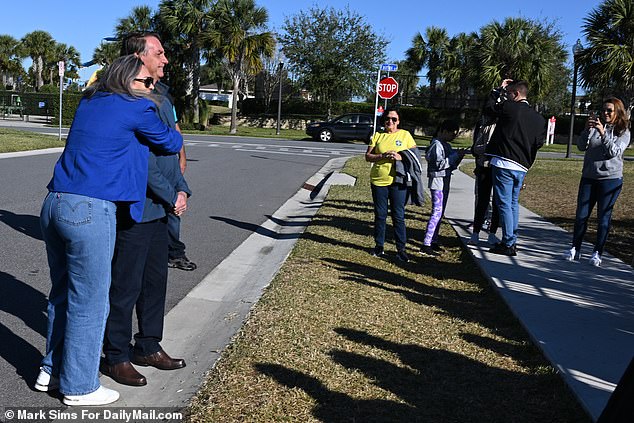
point(572, 254)
point(46, 382)
point(595, 260)
point(101, 396)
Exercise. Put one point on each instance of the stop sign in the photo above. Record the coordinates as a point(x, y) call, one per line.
point(388, 87)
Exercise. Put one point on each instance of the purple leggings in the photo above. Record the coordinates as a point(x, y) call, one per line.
point(431, 235)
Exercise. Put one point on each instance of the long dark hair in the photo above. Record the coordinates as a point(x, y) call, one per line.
point(118, 77)
point(621, 122)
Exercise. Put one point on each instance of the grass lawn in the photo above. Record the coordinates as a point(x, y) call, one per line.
point(13, 140)
point(343, 336)
point(551, 191)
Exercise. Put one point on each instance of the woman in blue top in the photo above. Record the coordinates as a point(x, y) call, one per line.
point(104, 163)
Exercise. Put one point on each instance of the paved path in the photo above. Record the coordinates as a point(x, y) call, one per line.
point(581, 317)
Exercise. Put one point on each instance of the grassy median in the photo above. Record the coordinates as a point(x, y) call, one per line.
point(13, 140)
point(341, 336)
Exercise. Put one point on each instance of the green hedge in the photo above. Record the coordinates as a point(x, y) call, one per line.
point(38, 104)
point(562, 126)
point(410, 116)
point(70, 102)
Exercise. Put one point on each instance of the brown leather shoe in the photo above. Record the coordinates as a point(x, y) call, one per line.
point(123, 373)
point(160, 360)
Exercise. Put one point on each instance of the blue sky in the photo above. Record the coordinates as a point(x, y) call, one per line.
point(83, 23)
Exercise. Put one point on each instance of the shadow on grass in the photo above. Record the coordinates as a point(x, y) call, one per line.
point(431, 386)
point(476, 306)
point(333, 406)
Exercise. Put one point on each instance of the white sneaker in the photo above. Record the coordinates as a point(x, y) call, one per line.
point(492, 239)
point(101, 396)
point(595, 260)
point(475, 239)
point(572, 255)
point(46, 382)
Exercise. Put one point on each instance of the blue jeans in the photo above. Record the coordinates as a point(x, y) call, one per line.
point(396, 194)
point(79, 232)
point(603, 193)
point(506, 188)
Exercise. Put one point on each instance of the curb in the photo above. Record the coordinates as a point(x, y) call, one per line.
point(202, 325)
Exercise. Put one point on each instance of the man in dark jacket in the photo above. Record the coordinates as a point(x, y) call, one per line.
point(139, 265)
point(519, 133)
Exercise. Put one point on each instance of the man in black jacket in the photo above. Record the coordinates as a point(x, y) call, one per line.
point(519, 133)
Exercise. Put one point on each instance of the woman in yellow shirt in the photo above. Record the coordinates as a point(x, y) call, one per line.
point(383, 151)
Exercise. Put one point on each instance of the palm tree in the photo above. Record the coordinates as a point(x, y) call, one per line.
point(408, 79)
point(429, 51)
point(72, 60)
point(238, 36)
point(10, 64)
point(106, 53)
point(607, 62)
point(520, 49)
point(69, 55)
point(38, 45)
point(459, 64)
point(187, 20)
point(140, 19)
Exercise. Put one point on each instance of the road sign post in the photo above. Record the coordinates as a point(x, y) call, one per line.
point(387, 88)
point(61, 68)
point(385, 67)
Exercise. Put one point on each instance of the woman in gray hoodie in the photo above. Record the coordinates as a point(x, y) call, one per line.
point(604, 140)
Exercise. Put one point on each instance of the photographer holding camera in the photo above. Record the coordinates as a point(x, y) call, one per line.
point(604, 141)
point(519, 133)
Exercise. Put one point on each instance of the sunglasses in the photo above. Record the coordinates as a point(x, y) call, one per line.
point(393, 119)
point(608, 111)
point(148, 81)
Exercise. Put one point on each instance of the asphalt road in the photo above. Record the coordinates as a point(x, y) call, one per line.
point(237, 184)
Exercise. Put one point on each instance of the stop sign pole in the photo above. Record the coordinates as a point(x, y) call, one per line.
point(387, 67)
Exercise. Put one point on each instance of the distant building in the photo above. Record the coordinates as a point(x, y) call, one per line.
point(212, 93)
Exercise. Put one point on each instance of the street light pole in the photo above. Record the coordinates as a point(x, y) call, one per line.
point(279, 99)
point(576, 49)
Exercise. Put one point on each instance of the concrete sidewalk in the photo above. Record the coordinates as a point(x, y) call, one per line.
point(581, 317)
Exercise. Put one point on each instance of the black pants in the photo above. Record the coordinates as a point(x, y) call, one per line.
point(139, 279)
point(176, 247)
point(483, 188)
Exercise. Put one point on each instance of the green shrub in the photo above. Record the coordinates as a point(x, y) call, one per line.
point(70, 101)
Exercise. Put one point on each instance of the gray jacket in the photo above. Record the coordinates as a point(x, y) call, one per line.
point(409, 172)
point(604, 155)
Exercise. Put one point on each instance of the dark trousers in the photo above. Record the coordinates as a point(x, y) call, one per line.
point(176, 246)
point(604, 194)
point(483, 188)
point(395, 195)
point(139, 279)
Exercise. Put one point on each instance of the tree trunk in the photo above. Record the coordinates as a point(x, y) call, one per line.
point(234, 105)
point(195, 83)
point(38, 72)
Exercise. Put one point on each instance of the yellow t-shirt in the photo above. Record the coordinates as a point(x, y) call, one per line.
point(383, 173)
